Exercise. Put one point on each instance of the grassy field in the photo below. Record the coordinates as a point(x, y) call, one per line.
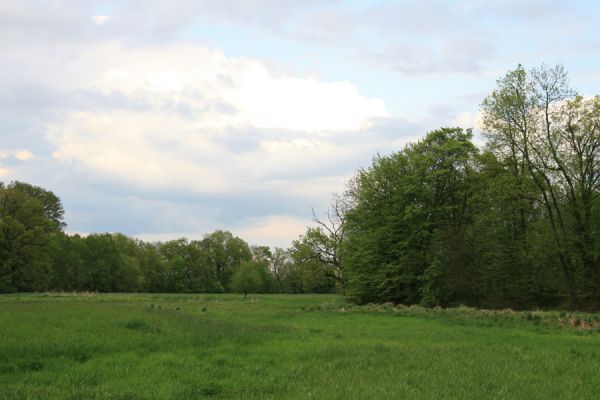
point(138, 346)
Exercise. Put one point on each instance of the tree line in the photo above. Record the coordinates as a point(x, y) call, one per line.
point(514, 222)
point(37, 255)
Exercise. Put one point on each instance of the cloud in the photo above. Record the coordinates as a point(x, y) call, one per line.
point(142, 123)
point(100, 19)
point(139, 138)
point(469, 120)
point(276, 230)
point(16, 155)
point(23, 155)
point(409, 37)
point(179, 123)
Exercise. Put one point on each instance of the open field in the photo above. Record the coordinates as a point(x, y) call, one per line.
point(138, 346)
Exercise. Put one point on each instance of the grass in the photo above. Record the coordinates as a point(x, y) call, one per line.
point(139, 346)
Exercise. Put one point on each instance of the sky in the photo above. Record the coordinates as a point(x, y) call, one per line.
point(163, 119)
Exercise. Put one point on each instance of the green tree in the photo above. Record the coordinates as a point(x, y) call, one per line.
point(275, 261)
point(178, 276)
point(52, 207)
point(128, 274)
point(68, 266)
point(534, 120)
point(291, 278)
point(109, 263)
point(225, 253)
point(309, 269)
point(29, 219)
point(189, 265)
point(278, 264)
point(248, 278)
point(405, 209)
point(153, 268)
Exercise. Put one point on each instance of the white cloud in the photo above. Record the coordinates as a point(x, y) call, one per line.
point(23, 155)
point(304, 104)
point(195, 76)
point(181, 103)
point(469, 120)
point(100, 19)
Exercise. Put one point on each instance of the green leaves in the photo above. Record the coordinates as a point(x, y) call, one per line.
point(547, 136)
point(402, 202)
point(29, 217)
point(249, 278)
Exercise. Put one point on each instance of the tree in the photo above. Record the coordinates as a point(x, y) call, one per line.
point(409, 210)
point(291, 278)
point(53, 209)
point(319, 251)
point(225, 253)
point(190, 266)
point(102, 261)
point(153, 268)
point(279, 262)
point(535, 120)
point(247, 278)
point(309, 268)
point(128, 274)
point(505, 232)
point(68, 266)
point(29, 219)
point(276, 262)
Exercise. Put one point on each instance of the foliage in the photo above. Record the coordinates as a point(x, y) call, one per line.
point(406, 207)
point(543, 132)
point(248, 278)
point(36, 255)
point(225, 253)
point(30, 217)
point(441, 223)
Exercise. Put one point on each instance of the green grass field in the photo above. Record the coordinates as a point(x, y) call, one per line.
point(138, 346)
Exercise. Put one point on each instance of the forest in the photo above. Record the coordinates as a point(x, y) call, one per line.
point(511, 222)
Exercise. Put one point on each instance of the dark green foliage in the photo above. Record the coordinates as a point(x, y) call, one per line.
point(516, 225)
point(308, 272)
point(153, 269)
point(406, 208)
point(249, 278)
point(35, 255)
point(224, 254)
point(69, 268)
point(30, 217)
point(547, 139)
point(52, 209)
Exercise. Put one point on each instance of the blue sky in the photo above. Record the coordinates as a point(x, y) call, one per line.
point(168, 119)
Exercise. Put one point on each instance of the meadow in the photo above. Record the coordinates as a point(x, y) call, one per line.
point(158, 346)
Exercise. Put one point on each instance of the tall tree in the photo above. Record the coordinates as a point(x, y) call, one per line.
point(535, 121)
point(29, 219)
point(225, 252)
point(404, 207)
point(247, 278)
